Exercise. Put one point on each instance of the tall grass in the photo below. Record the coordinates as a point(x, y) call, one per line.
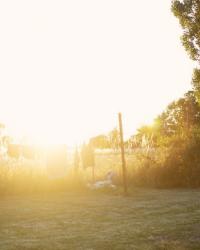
point(29, 176)
point(145, 168)
point(142, 166)
point(19, 176)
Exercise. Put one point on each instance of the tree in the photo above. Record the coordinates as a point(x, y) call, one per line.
point(114, 138)
point(188, 13)
point(145, 136)
point(100, 142)
point(180, 115)
point(196, 83)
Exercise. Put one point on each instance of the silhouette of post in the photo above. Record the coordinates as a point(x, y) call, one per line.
point(124, 171)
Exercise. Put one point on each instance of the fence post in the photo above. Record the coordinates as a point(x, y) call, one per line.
point(124, 171)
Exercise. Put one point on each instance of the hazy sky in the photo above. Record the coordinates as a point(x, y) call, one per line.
point(68, 67)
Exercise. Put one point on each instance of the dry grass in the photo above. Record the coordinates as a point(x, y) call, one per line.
point(26, 176)
point(38, 216)
point(147, 219)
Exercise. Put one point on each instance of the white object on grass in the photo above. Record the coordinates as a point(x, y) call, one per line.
point(104, 183)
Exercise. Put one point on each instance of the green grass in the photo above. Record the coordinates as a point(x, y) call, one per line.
point(147, 219)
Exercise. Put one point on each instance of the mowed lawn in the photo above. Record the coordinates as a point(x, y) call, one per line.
point(147, 219)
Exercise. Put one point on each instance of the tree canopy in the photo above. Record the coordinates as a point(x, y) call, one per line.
point(188, 14)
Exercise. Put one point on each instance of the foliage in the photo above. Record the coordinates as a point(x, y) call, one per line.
point(100, 141)
point(175, 136)
point(188, 14)
point(114, 138)
point(111, 140)
point(196, 83)
point(180, 115)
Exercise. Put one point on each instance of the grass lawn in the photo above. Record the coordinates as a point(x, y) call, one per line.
point(147, 219)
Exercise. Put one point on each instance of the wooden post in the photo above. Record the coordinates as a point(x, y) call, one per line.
point(124, 172)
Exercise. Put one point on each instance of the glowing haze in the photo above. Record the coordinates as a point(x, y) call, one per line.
point(68, 67)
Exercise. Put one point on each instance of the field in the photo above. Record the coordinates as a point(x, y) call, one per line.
point(147, 219)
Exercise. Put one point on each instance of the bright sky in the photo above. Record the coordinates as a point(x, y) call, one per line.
point(68, 67)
